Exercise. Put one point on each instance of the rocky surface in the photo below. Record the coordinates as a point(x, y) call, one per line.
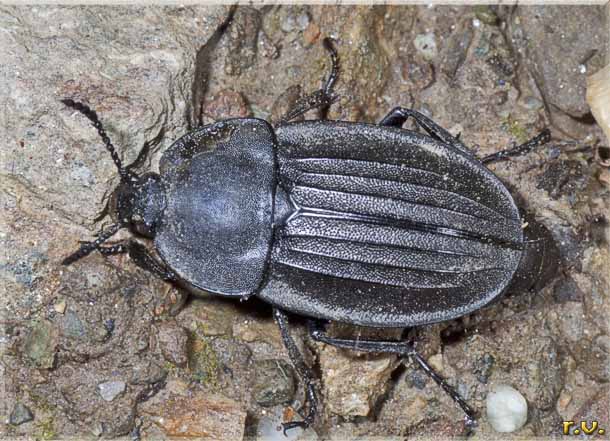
point(102, 349)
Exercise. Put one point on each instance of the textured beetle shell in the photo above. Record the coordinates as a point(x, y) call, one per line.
point(387, 227)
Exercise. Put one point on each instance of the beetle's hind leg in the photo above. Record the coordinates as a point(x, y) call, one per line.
point(302, 369)
point(320, 99)
point(402, 348)
point(523, 149)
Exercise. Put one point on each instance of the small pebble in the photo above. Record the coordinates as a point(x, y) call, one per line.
point(506, 409)
point(20, 414)
point(302, 21)
point(97, 430)
point(426, 45)
point(533, 103)
point(111, 389)
point(60, 306)
point(109, 326)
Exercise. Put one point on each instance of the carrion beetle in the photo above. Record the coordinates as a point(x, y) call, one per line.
point(367, 224)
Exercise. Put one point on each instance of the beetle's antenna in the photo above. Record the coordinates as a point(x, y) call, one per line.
point(125, 174)
point(88, 247)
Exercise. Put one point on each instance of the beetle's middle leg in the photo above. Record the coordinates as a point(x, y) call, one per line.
point(402, 348)
point(302, 369)
point(320, 99)
point(398, 115)
point(523, 149)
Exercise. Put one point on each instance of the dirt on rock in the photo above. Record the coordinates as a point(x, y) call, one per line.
point(101, 348)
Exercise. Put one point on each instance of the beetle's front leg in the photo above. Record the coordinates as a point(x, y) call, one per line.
point(402, 348)
point(320, 99)
point(140, 255)
point(302, 369)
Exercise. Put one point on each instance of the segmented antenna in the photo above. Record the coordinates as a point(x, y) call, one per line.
point(92, 116)
point(88, 247)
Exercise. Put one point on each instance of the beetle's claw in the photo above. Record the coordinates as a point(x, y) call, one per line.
point(470, 422)
point(293, 425)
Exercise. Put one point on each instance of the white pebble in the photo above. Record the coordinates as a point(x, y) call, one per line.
point(506, 409)
point(111, 389)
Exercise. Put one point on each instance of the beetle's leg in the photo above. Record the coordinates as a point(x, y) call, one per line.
point(541, 139)
point(320, 99)
point(402, 348)
point(302, 369)
point(88, 247)
point(398, 115)
point(140, 255)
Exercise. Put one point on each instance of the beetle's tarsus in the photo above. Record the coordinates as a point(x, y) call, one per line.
point(87, 247)
point(293, 425)
point(523, 149)
point(302, 369)
point(470, 414)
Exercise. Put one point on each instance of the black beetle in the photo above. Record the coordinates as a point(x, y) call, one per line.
point(358, 223)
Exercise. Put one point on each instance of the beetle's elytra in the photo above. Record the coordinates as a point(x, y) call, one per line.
point(358, 223)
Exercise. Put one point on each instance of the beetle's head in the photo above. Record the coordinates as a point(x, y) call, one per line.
point(138, 201)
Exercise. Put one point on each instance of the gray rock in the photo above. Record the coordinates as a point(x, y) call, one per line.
point(296, 19)
point(72, 326)
point(111, 389)
point(558, 41)
point(39, 346)
point(97, 429)
point(173, 340)
point(567, 290)
point(20, 414)
point(274, 382)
